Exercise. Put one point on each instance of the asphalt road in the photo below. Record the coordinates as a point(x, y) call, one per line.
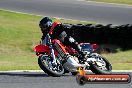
point(70, 9)
point(41, 80)
point(73, 9)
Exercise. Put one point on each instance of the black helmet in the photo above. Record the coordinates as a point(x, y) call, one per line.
point(45, 23)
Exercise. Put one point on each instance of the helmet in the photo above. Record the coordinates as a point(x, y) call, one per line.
point(45, 23)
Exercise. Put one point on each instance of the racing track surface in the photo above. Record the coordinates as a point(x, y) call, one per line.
point(41, 80)
point(73, 9)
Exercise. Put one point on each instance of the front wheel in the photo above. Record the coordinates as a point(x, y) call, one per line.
point(48, 67)
point(101, 66)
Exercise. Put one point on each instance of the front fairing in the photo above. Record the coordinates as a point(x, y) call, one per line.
point(42, 49)
point(43, 46)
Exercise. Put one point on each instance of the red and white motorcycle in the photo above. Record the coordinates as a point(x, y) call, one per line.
point(52, 58)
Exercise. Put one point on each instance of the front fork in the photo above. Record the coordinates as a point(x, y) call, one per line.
point(53, 55)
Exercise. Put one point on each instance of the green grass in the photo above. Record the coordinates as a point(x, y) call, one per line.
point(19, 33)
point(115, 1)
point(120, 60)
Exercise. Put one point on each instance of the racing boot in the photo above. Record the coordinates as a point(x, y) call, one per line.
point(82, 57)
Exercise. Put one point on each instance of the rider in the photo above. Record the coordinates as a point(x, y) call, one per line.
point(59, 32)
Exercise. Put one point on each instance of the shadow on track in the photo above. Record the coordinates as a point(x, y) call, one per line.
point(28, 74)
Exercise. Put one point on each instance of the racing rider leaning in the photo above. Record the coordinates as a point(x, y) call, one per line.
point(59, 32)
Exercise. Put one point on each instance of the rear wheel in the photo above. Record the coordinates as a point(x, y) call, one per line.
point(50, 68)
point(101, 66)
point(74, 73)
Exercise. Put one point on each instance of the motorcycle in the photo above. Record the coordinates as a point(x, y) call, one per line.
point(55, 59)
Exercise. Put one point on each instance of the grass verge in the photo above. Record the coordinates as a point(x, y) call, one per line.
point(19, 33)
point(121, 60)
point(129, 2)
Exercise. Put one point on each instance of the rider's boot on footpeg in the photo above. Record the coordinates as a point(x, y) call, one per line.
point(82, 57)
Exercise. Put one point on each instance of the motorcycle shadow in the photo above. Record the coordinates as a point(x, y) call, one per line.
point(28, 74)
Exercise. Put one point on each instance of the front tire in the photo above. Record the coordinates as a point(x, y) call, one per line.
point(44, 62)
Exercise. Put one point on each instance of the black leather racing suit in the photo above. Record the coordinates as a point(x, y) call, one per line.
point(61, 32)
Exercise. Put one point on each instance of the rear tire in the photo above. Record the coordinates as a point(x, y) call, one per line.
point(74, 73)
point(44, 66)
point(95, 69)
